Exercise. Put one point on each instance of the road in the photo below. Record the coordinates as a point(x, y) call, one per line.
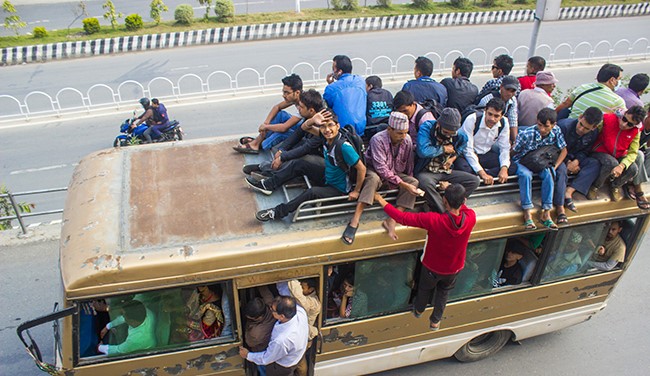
point(614, 342)
point(59, 14)
point(112, 70)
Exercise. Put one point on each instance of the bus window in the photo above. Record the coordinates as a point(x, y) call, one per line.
point(481, 267)
point(155, 320)
point(370, 287)
point(571, 251)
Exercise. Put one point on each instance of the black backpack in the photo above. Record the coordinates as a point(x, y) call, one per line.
point(479, 111)
point(496, 93)
point(540, 158)
point(428, 105)
point(349, 135)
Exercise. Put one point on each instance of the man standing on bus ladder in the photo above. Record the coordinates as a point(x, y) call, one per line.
point(288, 339)
point(444, 251)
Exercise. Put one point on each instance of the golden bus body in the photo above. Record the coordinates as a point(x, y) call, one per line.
point(177, 215)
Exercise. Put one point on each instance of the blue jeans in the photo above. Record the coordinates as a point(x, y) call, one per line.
point(274, 138)
point(526, 187)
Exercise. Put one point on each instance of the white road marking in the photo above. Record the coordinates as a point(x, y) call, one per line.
point(180, 68)
point(39, 169)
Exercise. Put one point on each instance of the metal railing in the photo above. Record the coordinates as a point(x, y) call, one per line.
point(16, 207)
point(249, 80)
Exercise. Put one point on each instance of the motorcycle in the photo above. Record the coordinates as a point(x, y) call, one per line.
point(134, 136)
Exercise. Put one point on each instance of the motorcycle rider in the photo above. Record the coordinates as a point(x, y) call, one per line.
point(146, 116)
point(159, 121)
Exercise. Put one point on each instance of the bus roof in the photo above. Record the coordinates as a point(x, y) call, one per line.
point(173, 213)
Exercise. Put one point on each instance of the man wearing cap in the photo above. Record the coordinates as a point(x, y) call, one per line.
point(390, 160)
point(509, 87)
point(438, 145)
point(530, 101)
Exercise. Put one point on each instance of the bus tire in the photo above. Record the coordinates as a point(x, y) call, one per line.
point(483, 346)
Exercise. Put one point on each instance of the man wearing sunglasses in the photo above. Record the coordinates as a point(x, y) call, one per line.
point(616, 150)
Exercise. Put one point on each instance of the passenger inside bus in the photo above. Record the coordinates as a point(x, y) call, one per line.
point(568, 260)
point(350, 302)
point(141, 334)
point(511, 271)
point(611, 251)
point(204, 314)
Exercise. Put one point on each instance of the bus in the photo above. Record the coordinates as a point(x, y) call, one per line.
point(158, 223)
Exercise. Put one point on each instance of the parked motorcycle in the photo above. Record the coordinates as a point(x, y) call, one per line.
point(135, 136)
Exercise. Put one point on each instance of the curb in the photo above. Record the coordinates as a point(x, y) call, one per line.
point(107, 46)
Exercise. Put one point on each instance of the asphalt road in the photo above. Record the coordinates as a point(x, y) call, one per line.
point(614, 342)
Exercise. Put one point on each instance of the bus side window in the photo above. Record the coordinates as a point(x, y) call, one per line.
point(571, 251)
point(481, 267)
point(371, 287)
point(155, 320)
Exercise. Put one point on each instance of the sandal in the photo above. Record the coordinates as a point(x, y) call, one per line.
point(548, 223)
point(348, 234)
point(433, 326)
point(562, 219)
point(245, 149)
point(529, 224)
point(246, 139)
point(569, 204)
point(641, 201)
point(630, 193)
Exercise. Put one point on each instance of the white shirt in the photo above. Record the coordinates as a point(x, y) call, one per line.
point(310, 302)
point(288, 342)
point(484, 139)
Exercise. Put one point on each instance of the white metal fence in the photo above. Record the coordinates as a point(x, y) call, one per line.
point(103, 97)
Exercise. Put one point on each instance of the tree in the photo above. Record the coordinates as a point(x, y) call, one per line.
point(6, 209)
point(208, 5)
point(110, 14)
point(157, 7)
point(78, 11)
point(13, 20)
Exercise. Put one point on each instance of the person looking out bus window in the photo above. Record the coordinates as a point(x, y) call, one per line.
point(141, 330)
point(390, 161)
point(350, 301)
point(511, 272)
point(611, 252)
point(444, 254)
point(288, 342)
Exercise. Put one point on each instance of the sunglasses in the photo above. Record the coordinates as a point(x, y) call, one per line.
point(495, 67)
point(628, 122)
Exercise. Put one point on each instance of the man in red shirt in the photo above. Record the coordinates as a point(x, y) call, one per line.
point(444, 251)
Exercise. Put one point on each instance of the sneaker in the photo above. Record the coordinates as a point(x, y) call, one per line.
point(592, 194)
point(265, 215)
point(258, 185)
point(259, 176)
point(247, 169)
point(617, 195)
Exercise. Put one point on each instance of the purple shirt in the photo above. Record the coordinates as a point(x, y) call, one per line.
point(413, 128)
point(630, 97)
point(388, 160)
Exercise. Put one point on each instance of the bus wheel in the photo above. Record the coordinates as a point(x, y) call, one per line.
point(483, 346)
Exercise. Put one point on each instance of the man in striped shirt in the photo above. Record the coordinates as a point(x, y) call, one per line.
point(600, 94)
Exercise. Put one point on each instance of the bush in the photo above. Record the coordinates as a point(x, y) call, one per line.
point(422, 4)
point(459, 3)
point(133, 22)
point(91, 25)
point(345, 4)
point(225, 10)
point(39, 32)
point(521, 1)
point(384, 3)
point(184, 14)
point(488, 3)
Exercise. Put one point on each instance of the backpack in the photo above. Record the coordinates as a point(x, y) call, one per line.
point(349, 135)
point(540, 158)
point(496, 93)
point(428, 105)
point(479, 111)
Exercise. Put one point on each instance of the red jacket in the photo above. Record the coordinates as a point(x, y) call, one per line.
point(446, 246)
point(612, 140)
point(527, 82)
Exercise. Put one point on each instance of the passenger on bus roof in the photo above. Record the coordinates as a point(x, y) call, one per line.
point(342, 163)
point(417, 114)
point(446, 246)
point(390, 160)
point(346, 95)
point(279, 124)
point(288, 339)
point(580, 135)
point(501, 67)
point(378, 107)
point(460, 91)
point(545, 134)
point(488, 144)
point(439, 143)
point(141, 330)
point(611, 252)
point(530, 101)
point(534, 65)
point(507, 92)
point(423, 87)
point(299, 145)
